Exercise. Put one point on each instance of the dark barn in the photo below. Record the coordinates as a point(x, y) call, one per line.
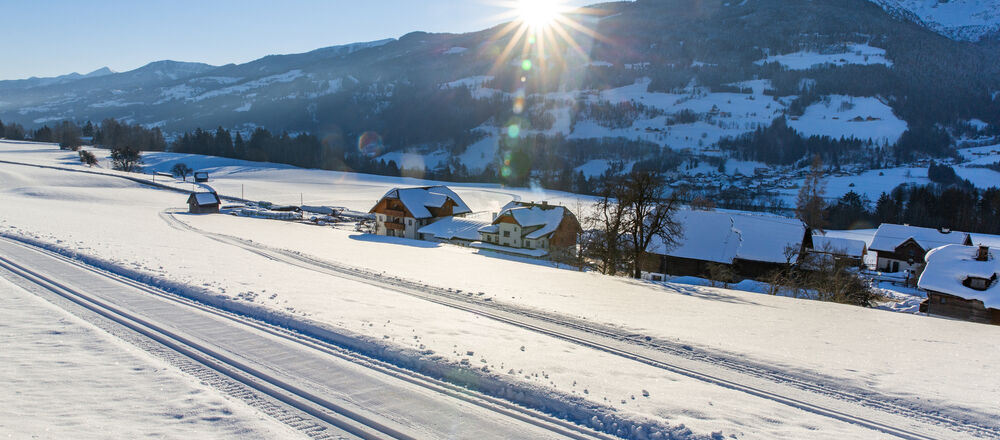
point(204, 203)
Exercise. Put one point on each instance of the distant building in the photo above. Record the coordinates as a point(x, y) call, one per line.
point(961, 282)
point(843, 250)
point(538, 227)
point(401, 212)
point(903, 247)
point(751, 244)
point(204, 203)
point(201, 176)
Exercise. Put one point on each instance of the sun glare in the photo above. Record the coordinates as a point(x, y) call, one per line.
point(539, 14)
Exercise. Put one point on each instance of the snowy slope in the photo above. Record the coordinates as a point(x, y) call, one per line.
point(878, 351)
point(398, 322)
point(968, 20)
point(72, 380)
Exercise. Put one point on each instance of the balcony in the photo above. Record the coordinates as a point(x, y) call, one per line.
point(395, 226)
point(394, 213)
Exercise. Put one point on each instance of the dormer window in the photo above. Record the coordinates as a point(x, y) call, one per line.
point(980, 284)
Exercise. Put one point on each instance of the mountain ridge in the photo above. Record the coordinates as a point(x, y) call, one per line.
point(666, 75)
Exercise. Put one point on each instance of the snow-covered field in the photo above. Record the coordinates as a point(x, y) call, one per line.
point(120, 224)
point(65, 378)
point(862, 118)
point(860, 54)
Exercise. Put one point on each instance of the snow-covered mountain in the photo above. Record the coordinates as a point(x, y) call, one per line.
point(966, 20)
point(61, 79)
point(665, 78)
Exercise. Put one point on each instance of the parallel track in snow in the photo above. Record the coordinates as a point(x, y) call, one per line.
point(257, 378)
point(856, 406)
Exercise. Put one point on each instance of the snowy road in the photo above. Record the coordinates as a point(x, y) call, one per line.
point(887, 414)
point(360, 396)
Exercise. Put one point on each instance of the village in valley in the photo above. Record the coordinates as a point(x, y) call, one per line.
point(953, 274)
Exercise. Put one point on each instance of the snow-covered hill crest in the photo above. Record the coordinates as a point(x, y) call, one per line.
point(965, 20)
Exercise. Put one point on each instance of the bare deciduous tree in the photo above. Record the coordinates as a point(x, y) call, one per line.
point(810, 206)
point(650, 212)
point(181, 170)
point(606, 226)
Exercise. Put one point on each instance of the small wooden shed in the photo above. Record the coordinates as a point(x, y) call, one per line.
point(204, 203)
point(201, 176)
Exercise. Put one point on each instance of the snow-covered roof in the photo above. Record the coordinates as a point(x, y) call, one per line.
point(490, 229)
point(889, 236)
point(985, 239)
point(205, 198)
point(839, 246)
point(417, 200)
point(454, 227)
point(949, 266)
point(721, 237)
point(530, 215)
point(510, 250)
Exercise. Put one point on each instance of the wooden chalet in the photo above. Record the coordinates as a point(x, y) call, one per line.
point(961, 282)
point(402, 212)
point(204, 203)
point(750, 244)
point(903, 247)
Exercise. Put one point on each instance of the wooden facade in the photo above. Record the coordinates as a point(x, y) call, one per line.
point(908, 255)
point(567, 234)
point(943, 304)
point(679, 266)
point(196, 207)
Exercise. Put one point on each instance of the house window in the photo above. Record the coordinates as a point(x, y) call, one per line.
point(979, 283)
point(506, 234)
point(409, 222)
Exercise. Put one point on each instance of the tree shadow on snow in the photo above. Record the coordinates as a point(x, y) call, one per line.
point(372, 238)
point(706, 293)
point(526, 260)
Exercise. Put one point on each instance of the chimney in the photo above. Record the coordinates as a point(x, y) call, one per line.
point(944, 230)
point(983, 254)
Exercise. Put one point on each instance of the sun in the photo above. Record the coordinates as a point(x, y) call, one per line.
point(540, 35)
point(539, 14)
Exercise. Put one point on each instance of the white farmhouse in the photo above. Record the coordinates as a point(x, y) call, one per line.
point(535, 229)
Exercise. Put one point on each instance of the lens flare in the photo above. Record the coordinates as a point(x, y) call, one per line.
point(514, 131)
point(370, 144)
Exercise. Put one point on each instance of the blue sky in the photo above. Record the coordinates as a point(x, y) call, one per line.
point(55, 37)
